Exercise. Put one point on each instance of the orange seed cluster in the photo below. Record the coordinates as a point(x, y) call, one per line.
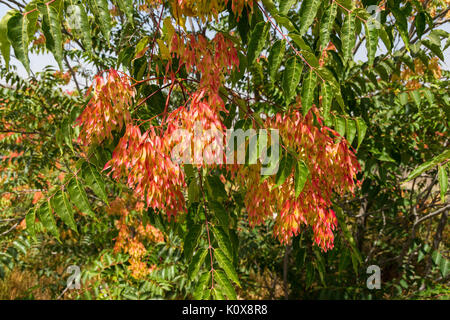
point(107, 110)
point(332, 168)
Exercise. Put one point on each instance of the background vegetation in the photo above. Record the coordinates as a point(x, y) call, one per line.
point(393, 108)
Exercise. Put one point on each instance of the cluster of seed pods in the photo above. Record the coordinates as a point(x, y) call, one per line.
point(332, 169)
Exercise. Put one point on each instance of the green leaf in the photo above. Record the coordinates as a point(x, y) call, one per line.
point(219, 212)
point(443, 181)
point(348, 4)
point(32, 21)
point(18, 37)
point(383, 155)
point(94, 180)
point(326, 25)
point(403, 284)
point(21, 245)
point(207, 294)
point(191, 240)
point(78, 197)
point(403, 98)
point(270, 6)
point(285, 22)
point(419, 22)
point(32, 16)
point(420, 256)
point(226, 265)
point(217, 294)
point(305, 50)
point(45, 25)
point(45, 216)
point(301, 176)
point(196, 263)
point(308, 88)
point(326, 75)
point(5, 44)
point(401, 23)
point(441, 262)
point(102, 10)
point(193, 191)
point(382, 69)
point(53, 35)
point(428, 95)
point(385, 38)
point(30, 220)
point(284, 170)
point(371, 31)
point(343, 261)
point(308, 11)
point(348, 37)
point(63, 209)
point(327, 99)
point(257, 41)
point(286, 5)
point(444, 266)
point(428, 165)
point(350, 130)
point(320, 266)
point(140, 47)
point(126, 6)
point(415, 95)
point(225, 284)
point(202, 283)
point(291, 78)
point(434, 48)
point(66, 133)
point(338, 96)
point(436, 257)
point(85, 30)
point(309, 274)
point(224, 241)
point(275, 57)
point(189, 171)
point(215, 188)
point(355, 261)
point(340, 126)
point(361, 128)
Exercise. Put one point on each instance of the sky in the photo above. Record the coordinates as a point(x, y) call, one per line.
point(38, 62)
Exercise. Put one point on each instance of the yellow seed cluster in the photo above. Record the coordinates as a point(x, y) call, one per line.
point(413, 78)
point(133, 234)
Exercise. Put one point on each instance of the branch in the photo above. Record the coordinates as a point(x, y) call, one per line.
point(21, 132)
point(285, 271)
point(74, 77)
point(361, 40)
point(11, 220)
point(10, 229)
point(431, 215)
point(7, 4)
point(64, 30)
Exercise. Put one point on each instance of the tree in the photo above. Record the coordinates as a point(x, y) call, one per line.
point(147, 139)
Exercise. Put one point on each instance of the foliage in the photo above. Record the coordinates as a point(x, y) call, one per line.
point(90, 175)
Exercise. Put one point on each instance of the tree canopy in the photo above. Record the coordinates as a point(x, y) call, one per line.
point(226, 149)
